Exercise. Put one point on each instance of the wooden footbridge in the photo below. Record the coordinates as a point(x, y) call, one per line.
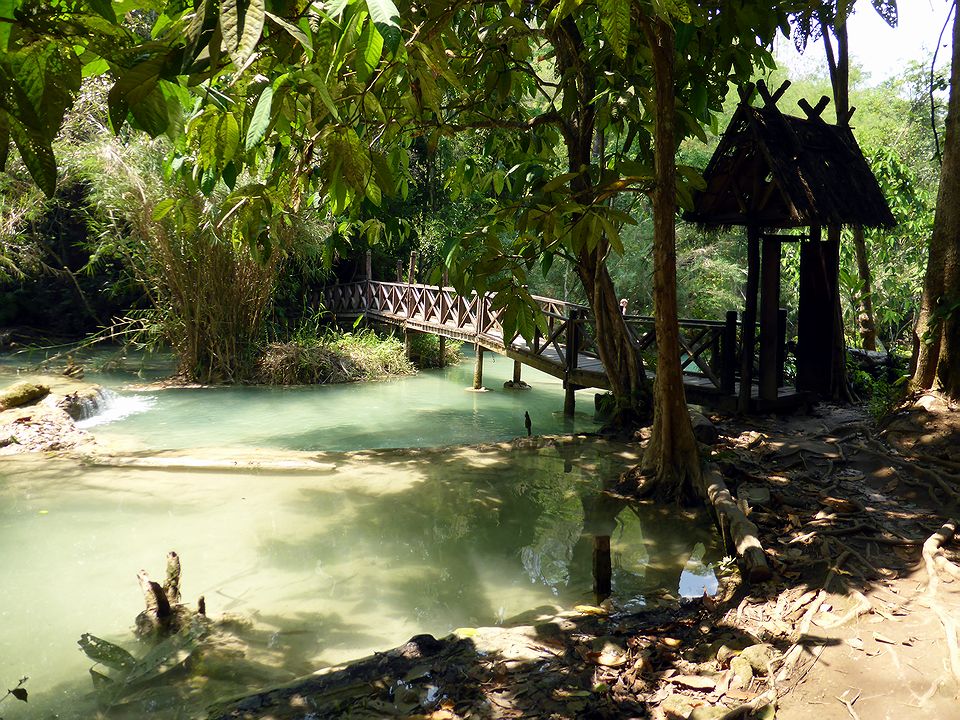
point(710, 354)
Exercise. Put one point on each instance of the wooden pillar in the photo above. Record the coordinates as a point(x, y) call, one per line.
point(817, 319)
point(769, 318)
point(478, 369)
point(569, 399)
point(781, 346)
point(728, 352)
point(749, 330)
point(517, 365)
point(408, 343)
point(368, 283)
point(602, 568)
point(443, 350)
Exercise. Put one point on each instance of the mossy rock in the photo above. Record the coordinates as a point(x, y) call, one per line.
point(22, 393)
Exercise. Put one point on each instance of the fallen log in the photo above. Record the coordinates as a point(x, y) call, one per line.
point(739, 533)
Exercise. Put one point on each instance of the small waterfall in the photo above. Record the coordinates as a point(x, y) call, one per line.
point(107, 406)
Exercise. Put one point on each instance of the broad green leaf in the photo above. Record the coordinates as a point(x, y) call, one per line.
point(163, 208)
point(260, 120)
point(106, 653)
point(37, 154)
point(332, 8)
point(151, 113)
point(558, 182)
point(228, 137)
point(95, 68)
point(132, 87)
point(386, 17)
point(320, 86)
point(369, 49)
point(615, 20)
point(241, 22)
point(6, 12)
point(103, 8)
point(294, 32)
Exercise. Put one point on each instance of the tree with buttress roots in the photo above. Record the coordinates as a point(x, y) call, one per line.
point(937, 350)
point(277, 104)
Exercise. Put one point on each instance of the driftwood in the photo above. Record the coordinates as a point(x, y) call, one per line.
point(739, 533)
point(164, 614)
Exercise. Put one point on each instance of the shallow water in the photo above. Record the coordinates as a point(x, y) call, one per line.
point(357, 554)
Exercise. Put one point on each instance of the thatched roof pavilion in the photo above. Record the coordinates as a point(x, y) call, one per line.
point(772, 172)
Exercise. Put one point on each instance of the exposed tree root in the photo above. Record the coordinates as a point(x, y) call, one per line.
point(933, 549)
point(749, 708)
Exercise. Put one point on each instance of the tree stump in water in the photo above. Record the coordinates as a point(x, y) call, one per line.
point(164, 614)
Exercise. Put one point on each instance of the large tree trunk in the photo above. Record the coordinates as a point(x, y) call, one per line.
point(616, 348)
point(671, 462)
point(937, 339)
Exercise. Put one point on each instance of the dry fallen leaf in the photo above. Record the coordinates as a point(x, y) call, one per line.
point(883, 639)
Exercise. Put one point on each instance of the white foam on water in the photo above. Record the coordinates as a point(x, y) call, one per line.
point(110, 407)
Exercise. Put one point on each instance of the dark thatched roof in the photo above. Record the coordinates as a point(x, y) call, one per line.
point(777, 171)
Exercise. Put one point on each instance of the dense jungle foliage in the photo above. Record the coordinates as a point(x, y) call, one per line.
point(107, 254)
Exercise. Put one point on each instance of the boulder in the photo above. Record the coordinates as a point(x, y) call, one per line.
point(22, 393)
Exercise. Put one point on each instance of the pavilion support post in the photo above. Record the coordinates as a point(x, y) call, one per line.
point(769, 319)
point(817, 317)
point(728, 351)
point(781, 346)
point(478, 369)
point(749, 337)
point(517, 365)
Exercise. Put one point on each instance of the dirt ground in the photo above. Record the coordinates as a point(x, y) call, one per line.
point(858, 621)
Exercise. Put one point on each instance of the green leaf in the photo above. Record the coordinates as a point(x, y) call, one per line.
point(386, 16)
point(103, 8)
point(132, 87)
point(151, 113)
point(37, 154)
point(106, 653)
point(558, 182)
point(320, 85)
point(6, 12)
point(241, 28)
point(294, 32)
point(369, 49)
point(162, 208)
point(228, 137)
point(615, 20)
point(260, 120)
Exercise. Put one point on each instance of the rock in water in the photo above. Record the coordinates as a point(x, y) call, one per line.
point(22, 393)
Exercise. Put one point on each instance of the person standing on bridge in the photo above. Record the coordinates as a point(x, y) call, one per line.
point(623, 306)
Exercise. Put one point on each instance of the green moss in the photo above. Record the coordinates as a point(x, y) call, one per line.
point(22, 393)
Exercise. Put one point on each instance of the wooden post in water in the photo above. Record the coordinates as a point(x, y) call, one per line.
point(602, 568)
point(517, 365)
point(749, 337)
point(478, 369)
point(443, 350)
point(572, 350)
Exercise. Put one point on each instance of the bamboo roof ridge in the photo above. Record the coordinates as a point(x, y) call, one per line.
point(780, 171)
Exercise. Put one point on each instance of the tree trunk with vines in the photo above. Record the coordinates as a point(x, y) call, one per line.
point(671, 462)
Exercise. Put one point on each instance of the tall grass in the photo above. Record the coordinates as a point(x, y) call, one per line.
point(333, 357)
point(209, 295)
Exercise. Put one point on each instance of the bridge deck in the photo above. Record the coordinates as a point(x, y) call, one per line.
point(710, 353)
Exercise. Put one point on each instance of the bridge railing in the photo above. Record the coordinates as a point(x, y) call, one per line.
point(709, 348)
